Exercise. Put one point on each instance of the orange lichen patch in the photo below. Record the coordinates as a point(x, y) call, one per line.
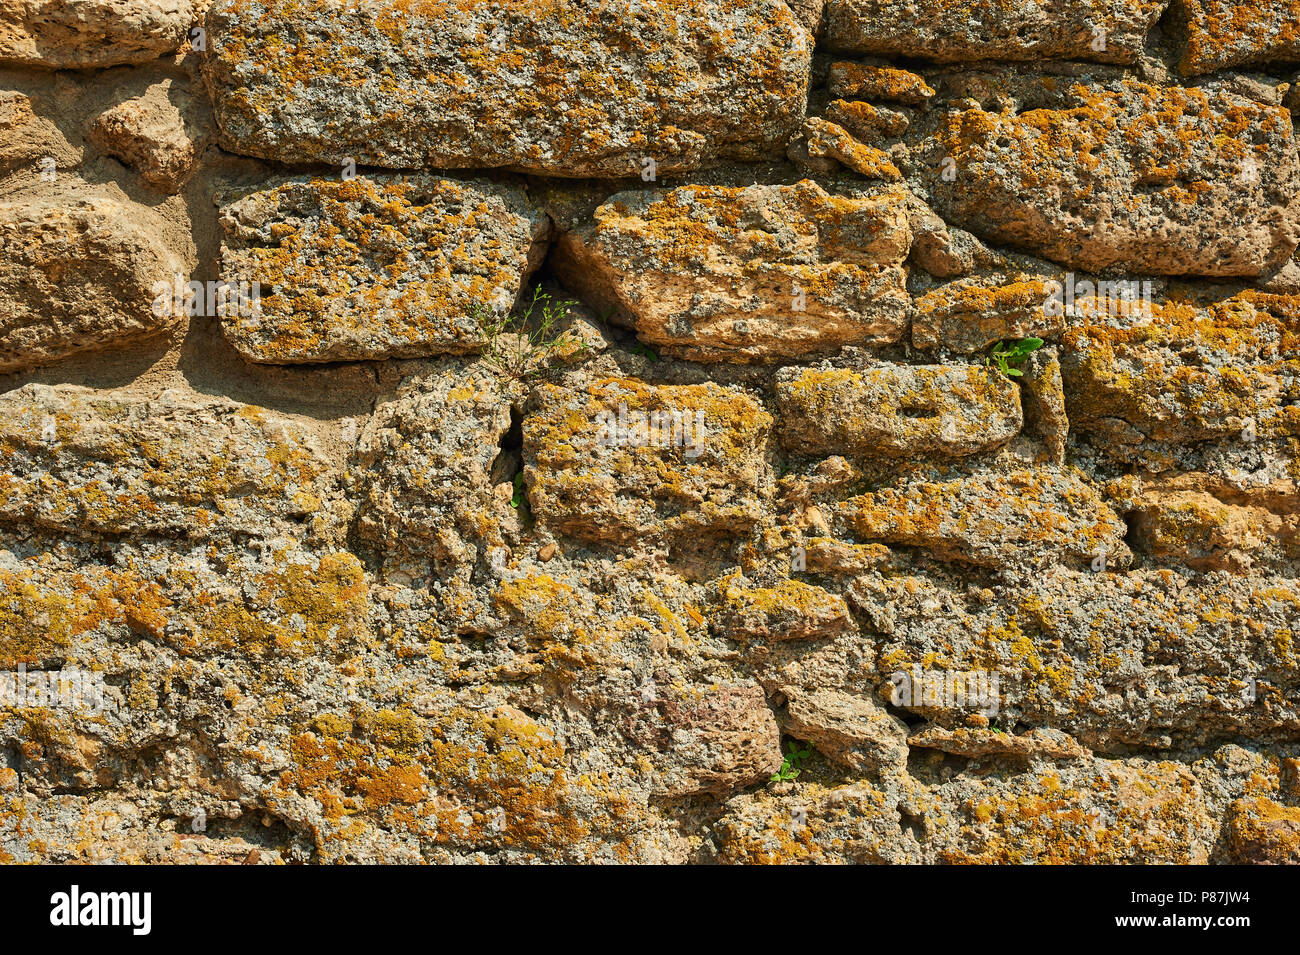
point(858, 81)
point(1219, 34)
point(1261, 831)
point(1118, 813)
point(42, 613)
point(826, 140)
point(316, 607)
point(623, 458)
point(334, 261)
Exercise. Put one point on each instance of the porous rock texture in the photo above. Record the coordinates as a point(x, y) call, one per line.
point(531, 432)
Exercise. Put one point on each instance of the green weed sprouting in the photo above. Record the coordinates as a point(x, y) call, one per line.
point(794, 755)
point(517, 344)
point(1006, 355)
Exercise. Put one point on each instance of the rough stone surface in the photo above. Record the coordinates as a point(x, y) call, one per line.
point(1033, 518)
point(1110, 31)
point(80, 34)
point(78, 272)
point(570, 89)
point(160, 134)
point(1219, 33)
point(1164, 181)
point(695, 469)
point(753, 274)
point(897, 410)
point(375, 268)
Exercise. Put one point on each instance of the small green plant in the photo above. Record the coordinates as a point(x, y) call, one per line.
point(1006, 355)
point(518, 344)
point(794, 755)
point(640, 348)
point(518, 497)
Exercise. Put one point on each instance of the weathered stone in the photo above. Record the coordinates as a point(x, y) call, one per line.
point(1144, 658)
point(1259, 831)
point(423, 476)
point(1044, 402)
point(790, 611)
point(376, 268)
point(1207, 524)
point(80, 270)
point(1025, 518)
point(81, 34)
point(159, 133)
point(81, 463)
point(825, 140)
point(1129, 383)
point(866, 122)
point(722, 741)
point(854, 732)
point(569, 90)
point(28, 138)
point(968, 316)
point(897, 411)
point(746, 274)
point(860, 81)
point(1110, 31)
point(1103, 812)
point(979, 743)
point(1153, 180)
point(619, 461)
point(857, 823)
point(1220, 33)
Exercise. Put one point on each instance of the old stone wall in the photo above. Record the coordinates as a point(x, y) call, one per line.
point(755, 553)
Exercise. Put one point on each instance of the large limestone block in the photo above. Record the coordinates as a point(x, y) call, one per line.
point(79, 270)
point(1151, 180)
point(746, 274)
point(364, 268)
point(562, 88)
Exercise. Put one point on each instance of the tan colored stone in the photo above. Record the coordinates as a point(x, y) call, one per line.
point(1025, 518)
point(566, 89)
point(80, 34)
point(1109, 31)
point(160, 134)
point(81, 269)
point(897, 411)
point(715, 273)
point(1151, 180)
point(620, 461)
point(376, 267)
